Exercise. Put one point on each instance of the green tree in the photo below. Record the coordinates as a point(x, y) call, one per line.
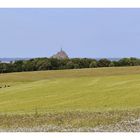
point(103, 62)
point(93, 64)
point(70, 65)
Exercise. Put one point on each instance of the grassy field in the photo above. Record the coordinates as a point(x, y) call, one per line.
point(79, 99)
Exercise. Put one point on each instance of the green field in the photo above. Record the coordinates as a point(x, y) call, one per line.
point(84, 91)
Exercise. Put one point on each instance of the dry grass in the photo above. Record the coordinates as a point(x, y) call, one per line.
point(71, 121)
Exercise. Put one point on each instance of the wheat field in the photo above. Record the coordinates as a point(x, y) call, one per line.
point(70, 100)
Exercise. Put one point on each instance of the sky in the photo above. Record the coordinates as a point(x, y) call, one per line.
point(91, 33)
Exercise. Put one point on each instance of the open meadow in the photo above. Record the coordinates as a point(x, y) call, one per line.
point(98, 99)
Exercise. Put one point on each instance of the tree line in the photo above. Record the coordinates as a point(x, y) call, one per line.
point(38, 64)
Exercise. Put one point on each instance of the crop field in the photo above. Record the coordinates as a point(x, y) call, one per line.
point(101, 99)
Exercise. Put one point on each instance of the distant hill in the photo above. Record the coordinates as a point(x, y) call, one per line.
point(7, 60)
point(111, 59)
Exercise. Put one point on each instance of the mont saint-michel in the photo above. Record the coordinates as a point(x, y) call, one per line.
point(60, 55)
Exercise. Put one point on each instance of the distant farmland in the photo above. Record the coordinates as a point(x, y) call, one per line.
point(100, 99)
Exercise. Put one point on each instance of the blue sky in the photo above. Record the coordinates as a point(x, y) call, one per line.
point(80, 32)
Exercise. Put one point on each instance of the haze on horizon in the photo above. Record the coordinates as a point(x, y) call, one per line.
point(92, 33)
